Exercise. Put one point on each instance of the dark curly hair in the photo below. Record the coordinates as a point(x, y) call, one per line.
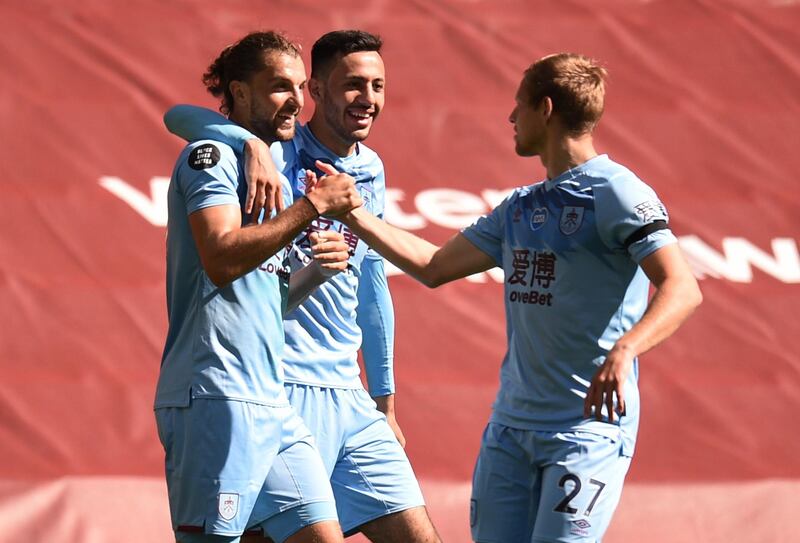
point(238, 62)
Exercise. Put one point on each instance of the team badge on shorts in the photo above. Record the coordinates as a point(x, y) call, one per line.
point(228, 505)
point(538, 218)
point(571, 219)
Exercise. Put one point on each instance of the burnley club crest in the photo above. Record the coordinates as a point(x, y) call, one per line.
point(571, 219)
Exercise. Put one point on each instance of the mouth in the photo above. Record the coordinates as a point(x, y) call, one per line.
point(362, 118)
point(285, 119)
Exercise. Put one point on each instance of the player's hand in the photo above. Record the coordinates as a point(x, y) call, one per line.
point(330, 251)
point(386, 406)
point(335, 193)
point(263, 180)
point(311, 180)
point(608, 383)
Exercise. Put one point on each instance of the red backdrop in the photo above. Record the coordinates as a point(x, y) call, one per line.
point(702, 103)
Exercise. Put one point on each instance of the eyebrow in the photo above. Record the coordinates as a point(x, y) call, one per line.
point(284, 80)
point(361, 78)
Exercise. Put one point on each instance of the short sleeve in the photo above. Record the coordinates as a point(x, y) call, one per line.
point(487, 232)
point(209, 176)
point(378, 204)
point(631, 217)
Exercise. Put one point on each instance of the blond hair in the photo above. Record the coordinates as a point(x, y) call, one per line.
point(574, 83)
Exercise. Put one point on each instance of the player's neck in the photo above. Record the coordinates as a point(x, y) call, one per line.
point(327, 137)
point(564, 153)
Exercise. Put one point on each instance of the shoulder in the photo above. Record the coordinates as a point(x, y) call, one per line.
point(206, 162)
point(606, 173)
point(207, 155)
point(624, 204)
point(616, 183)
point(520, 193)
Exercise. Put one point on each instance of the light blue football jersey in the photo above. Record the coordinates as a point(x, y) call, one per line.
point(570, 249)
point(223, 342)
point(324, 334)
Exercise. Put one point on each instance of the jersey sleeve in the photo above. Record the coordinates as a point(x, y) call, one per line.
point(208, 177)
point(487, 232)
point(375, 314)
point(375, 317)
point(378, 204)
point(631, 218)
point(194, 123)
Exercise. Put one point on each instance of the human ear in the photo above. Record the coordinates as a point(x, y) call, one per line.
point(240, 92)
point(315, 88)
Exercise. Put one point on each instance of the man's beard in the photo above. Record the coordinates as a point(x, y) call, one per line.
point(334, 118)
point(268, 129)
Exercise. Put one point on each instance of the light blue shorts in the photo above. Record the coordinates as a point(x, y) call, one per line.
point(535, 487)
point(369, 472)
point(235, 465)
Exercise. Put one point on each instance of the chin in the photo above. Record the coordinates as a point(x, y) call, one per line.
point(522, 151)
point(284, 134)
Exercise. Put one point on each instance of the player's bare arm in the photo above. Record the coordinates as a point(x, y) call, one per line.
point(676, 296)
point(329, 258)
point(427, 263)
point(431, 265)
point(263, 180)
point(228, 250)
point(385, 405)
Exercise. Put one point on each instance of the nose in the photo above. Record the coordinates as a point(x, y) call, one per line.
point(367, 97)
point(297, 99)
point(512, 117)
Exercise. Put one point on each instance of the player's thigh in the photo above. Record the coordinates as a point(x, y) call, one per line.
point(408, 526)
point(372, 477)
point(325, 418)
point(218, 454)
point(321, 532)
point(581, 489)
point(297, 493)
point(505, 487)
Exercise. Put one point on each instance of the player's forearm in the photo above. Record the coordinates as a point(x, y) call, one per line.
point(408, 252)
point(303, 283)
point(385, 404)
point(672, 303)
point(194, 123)
point(237, 252)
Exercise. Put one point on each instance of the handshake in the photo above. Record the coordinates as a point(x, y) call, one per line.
point(332, 195)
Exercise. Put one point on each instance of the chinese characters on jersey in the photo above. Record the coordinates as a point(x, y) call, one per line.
point(535, 270)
